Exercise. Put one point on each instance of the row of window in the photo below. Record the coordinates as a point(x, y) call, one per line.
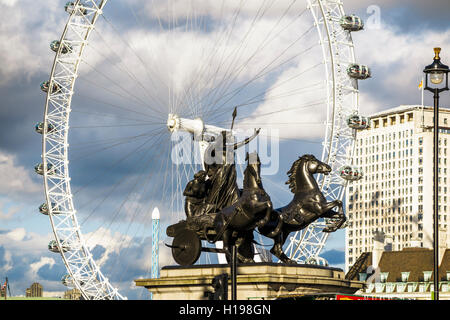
point(439, 151)
point(401, 146)
point(440, 141)
point(440, 161)
point(374, 194)
point(385, 137)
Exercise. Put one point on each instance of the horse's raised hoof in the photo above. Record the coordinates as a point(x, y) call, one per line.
point(290, 261)
point(285, 258)
point(329, 229)
point(243, 259)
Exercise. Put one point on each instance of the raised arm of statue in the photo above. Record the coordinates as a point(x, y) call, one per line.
point(246, 141)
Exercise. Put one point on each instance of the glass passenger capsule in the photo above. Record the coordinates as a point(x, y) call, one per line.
point(43, 208)
point(358, 71)
point(39, 169)
point(55, 44)
point(358, 122)
point(350, 173)
point(351, 23)
point(45, 85)
point(70, 7)
point(53, 246)
point(67, 281)
point(40, 128)
point(317, 261)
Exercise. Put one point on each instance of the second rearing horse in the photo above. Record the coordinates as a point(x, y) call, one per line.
point(235, 224)
point(308, 205)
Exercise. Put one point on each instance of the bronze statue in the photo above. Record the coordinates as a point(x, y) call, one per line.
point(213, 199)
point(234, 224)
point(217, 210)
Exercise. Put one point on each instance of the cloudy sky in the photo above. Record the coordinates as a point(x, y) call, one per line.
point(135, 73)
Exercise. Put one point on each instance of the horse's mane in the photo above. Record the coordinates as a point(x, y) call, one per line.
point(292, 173)
point(252, 158)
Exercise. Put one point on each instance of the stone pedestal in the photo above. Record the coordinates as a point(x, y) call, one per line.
point(254, 281)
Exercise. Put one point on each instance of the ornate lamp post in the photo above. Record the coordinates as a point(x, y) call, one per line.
point(436, 81)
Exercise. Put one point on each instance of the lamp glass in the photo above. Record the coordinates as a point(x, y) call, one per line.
point(436, 77)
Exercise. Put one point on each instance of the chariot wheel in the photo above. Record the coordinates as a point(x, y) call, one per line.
point(186, 247)
point(132, 79)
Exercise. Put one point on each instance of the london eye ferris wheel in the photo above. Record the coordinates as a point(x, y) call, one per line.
point(132, 79)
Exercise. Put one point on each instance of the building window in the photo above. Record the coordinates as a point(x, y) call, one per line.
point(405, 276)
point(427, 276)
point(384, 276)
point(410, 117)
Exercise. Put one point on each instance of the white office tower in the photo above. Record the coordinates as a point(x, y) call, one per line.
point(395, 195)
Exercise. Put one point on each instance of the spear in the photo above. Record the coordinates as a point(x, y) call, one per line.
point(234, 117)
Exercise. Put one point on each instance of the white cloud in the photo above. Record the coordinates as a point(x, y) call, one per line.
point(196, 9)
point(111, 242)
point(25, 253)
point(27, 30)
point(255, 56)
point(15, 179)
point(397, 61)
point(34, 267)
point(8, 212)
point(22, 242)
point(17, 235)
point(8, 3)
point(435, 5)
point(138, 250)
point(194, 62)
point(8, 262)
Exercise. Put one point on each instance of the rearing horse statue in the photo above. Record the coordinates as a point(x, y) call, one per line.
point(308, 205)
point(235, 224)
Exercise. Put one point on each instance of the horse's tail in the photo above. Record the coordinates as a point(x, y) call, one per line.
point(276, 230)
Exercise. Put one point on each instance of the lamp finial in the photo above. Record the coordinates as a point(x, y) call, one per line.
point(437, 51)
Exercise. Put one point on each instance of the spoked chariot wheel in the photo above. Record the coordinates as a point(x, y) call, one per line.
point(186, 247)
point(151, 73)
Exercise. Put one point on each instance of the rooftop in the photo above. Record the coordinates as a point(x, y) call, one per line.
point(405, 108)
point(413, 260)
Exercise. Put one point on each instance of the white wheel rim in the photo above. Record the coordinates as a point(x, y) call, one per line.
point(339, 138)
point(337, 151)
